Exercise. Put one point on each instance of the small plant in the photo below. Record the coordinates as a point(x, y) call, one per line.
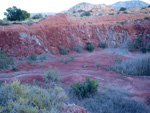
point(5, 61)
point(98, 65)
point(41, 65)
point(85, 89)
point(118, 60)
point(102, 45)
point(32, 57)
point(143, 49)
point(146, 18)
point(2, 22)
point(14, 68)
point(148, 47)
point(67, 60)
point(138, 42)
point(122, 9)
point(63, 50)
point(81, 10)
point(52, 75)
point(1, 83)
point(123, 22)
point(78, 48)
point(35, 82)
point(83, 66)
point(89, 47)
point(111, 13)
point(125, 12)
point(86, 13)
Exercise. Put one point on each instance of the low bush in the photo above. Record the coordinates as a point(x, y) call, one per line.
point(52, 75)
point(122, 9)
point(125, 12)
point(148, 47)
point(89, 47)
point(98, 65)
point(14, 68)
point(111, 13)
point(85, 89)
point(86, 13)
point(67, 60)
point(2, 22)
point(146, 18)
point(78, 48)
point(143, 49)
point(137, 66)
point(32, 57)
point(37, 16)
point(24, 98)
point(112, 101)
point(102, 45)
point(5, 61)
point(63, 50)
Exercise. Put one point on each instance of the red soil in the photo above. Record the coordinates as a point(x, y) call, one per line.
point(73, 71)
point(49, 34)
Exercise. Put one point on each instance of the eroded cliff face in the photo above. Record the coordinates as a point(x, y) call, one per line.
point(49, 34)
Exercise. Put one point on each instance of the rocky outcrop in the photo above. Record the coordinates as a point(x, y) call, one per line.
point(95, 9)
point(49, 34)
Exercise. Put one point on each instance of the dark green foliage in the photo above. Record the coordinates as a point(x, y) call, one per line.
point(15, 13)
point(148, 47)
point(78, 48)
point(103, 45)
point(81, 10)
point(122, 9)
point(63, 50)
point(89, 47)
point(138, 43)
point(14, 68)
point(32, 57)
point(146, 18)
point(37, 16)
point(5, 61)
point(143, 49)
point(86, 13)
point(111, 13)
point(85, 89)
point(125, 12)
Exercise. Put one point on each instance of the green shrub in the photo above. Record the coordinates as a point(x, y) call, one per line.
point(125, 12)
point(32, 57)
point(14, 68)
point(111, 13)
point(122, 9)
point(24, 98)
point(81, 10)
point(67, 60)
point(63, 50)
point(52, 75)
point(102, 45)
point(37, 16)
point(78, 48)
point(5, 61)
point(138, 66)
point(89, 47)
point(86, 13)
point(85, 89)
point(146, 18)
point(143, 49)
point(98, 65)
point(138, 42)
point(2, 22)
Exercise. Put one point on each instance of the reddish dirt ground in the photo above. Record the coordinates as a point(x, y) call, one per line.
point(73, 71)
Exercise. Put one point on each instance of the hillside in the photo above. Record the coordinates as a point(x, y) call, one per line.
point(130, 4)
point(94, 9)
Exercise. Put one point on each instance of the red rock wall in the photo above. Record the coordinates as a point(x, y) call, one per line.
point(49, 34)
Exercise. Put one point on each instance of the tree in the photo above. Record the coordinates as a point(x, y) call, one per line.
point(15, 13)
point(122, 9)
point(37, 16)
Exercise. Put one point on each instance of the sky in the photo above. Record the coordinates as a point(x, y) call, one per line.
point(34, 6)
